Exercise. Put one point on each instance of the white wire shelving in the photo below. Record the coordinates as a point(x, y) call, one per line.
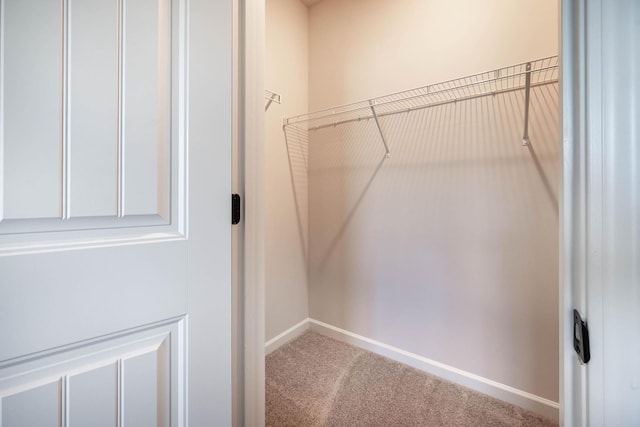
point(522, 76)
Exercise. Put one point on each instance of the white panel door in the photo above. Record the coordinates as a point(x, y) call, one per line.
point(602, 216)
point(115, 177)
point(613, 288)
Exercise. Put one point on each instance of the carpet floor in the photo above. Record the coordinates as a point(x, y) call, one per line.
point(318, 381)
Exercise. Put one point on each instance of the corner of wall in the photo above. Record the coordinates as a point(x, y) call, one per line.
point(286, 73)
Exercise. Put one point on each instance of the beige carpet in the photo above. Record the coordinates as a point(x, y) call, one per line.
point(317, 381)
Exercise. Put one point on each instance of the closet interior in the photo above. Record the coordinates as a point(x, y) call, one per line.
point(413, 161)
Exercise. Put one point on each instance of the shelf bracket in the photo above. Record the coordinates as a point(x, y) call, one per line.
point(271, 97)
point(375, 117)
point(527, 89)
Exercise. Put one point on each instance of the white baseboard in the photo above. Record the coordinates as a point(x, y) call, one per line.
point(537, 404)
point(288, 335)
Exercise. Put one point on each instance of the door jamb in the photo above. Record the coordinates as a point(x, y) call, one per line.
point(250, 411)
point(581, 229)
point(568, 184)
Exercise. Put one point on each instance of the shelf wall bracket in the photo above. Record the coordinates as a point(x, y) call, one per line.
point(527, 89)
point(375, 117)
point(271, 97)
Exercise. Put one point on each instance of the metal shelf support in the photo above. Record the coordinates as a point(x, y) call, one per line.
point(375, 117)
point(527, 89)
point(271, 97)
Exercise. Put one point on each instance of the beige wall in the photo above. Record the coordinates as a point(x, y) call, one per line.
point(286, 71)
point(449, 248)
point(360, 49)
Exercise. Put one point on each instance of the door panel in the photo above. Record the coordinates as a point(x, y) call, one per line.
point(147, 98)
point(102, 83)
point(31, 89)
point(142, 404)
point(17, 409)
point(136, 377)
point(92, 108)
point(52, 298)
point(92, 397)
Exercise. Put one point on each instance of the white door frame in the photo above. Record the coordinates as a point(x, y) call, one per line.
point(572, 207)
point(251, 33)
point(592, 282)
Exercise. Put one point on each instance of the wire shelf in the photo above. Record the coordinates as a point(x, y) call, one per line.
point(538, 73)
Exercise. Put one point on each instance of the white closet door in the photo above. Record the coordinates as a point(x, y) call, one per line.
point(602, 210)
point(114, 212)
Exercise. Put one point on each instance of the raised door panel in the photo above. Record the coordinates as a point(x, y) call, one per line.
point(147, 95)
point(135, 379)
point(92, 397)
point(30, 109)
point(143, 391)
point(93, 95)
point(38, 406)
point(92, 118)
point(56, 297)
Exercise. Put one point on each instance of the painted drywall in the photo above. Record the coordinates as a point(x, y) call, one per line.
point(449, 249)
point(360, 49)
point(286, 73)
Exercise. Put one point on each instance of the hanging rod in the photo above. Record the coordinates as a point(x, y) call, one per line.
point(271, 97)
point(530, 74)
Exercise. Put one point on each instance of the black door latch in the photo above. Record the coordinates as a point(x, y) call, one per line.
point(235, 209)
point(581, 337)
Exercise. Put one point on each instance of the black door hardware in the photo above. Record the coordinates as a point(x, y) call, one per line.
point(235, 209)
point(581, 337)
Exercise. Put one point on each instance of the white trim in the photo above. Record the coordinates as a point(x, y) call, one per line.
point(286, 336)
point(120, 137)
point(252, 156)
point(492, 388)
point(65, 151)
point(237, 235)
point(572, 209)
